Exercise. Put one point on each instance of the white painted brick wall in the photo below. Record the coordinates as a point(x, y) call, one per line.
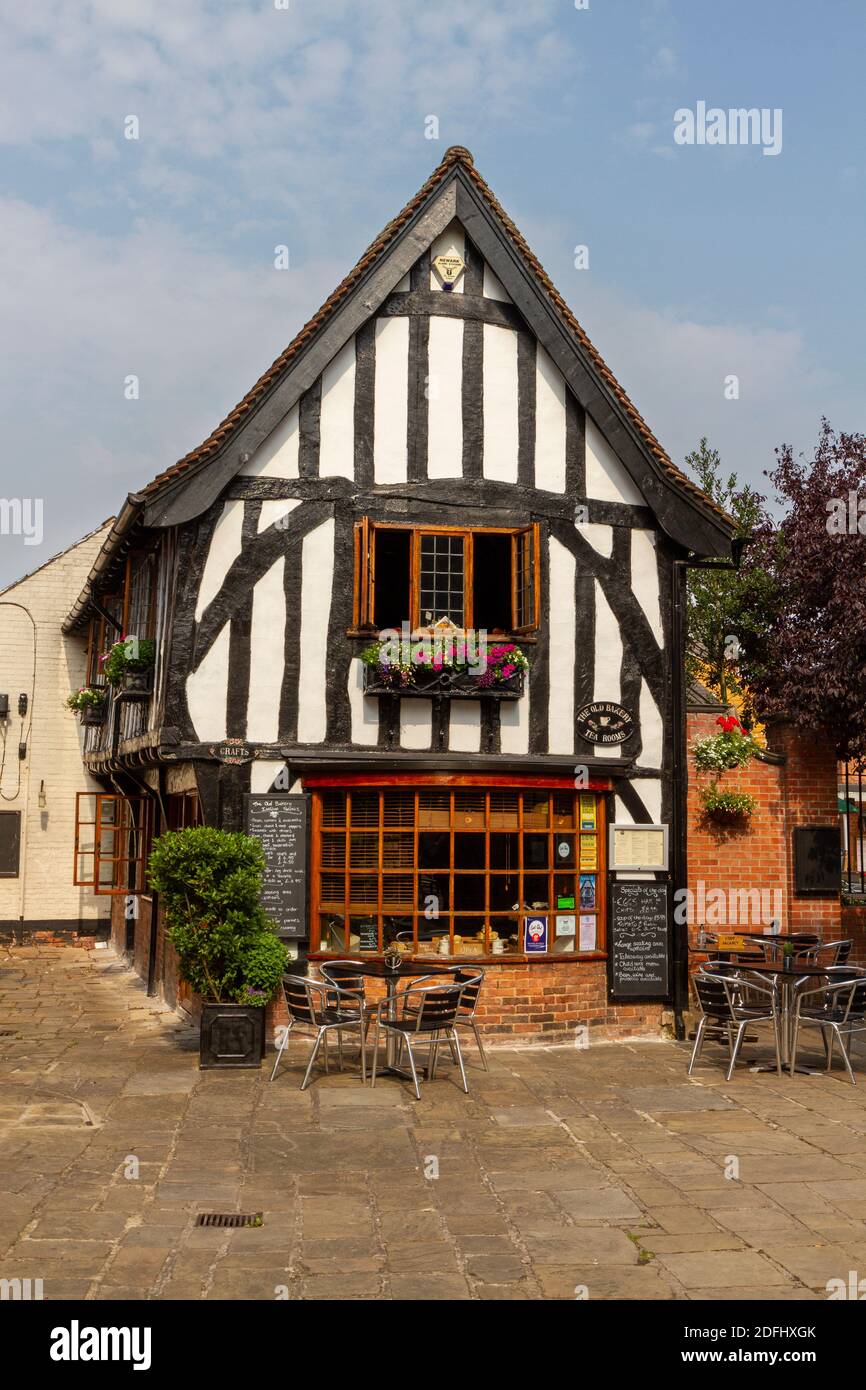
point(44, 890)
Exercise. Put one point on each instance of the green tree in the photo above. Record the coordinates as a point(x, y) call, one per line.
point(725, 607)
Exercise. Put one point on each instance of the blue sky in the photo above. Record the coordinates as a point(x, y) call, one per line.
point(305, 126)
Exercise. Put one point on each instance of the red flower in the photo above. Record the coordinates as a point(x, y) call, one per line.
point(728, 723)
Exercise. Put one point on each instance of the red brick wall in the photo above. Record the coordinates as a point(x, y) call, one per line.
point(547, 1002)
point(798, 790)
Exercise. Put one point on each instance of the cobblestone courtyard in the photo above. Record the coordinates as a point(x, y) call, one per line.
point(603, 1168)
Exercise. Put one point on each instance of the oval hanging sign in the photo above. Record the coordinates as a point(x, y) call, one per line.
point(604, 722)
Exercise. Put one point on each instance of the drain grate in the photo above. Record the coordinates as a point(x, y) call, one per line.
point(229, 1218)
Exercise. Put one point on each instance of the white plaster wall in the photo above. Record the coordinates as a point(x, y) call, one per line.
point(206, 691)
point(337, 421)
point(364, 709)
point(608, 660)
point(649, 789)
point(549, 423)
point(606, 478)
point(651, 729)
point(445, 399)
point(599, 536)
point(390, 460)
point(500, 403)
point(263, 774)
point(224, 549)
point(464, 731)
point(317, 566)
point(276, 456)
point(514, 723)
point(562, 648)
point(275, 508)
point(494, 288)
point(645, 580)
point(267, 645)
point(416, 723)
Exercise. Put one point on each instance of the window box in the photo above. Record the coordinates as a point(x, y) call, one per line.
point(455, 685)
point(136, 685)
point(92, 715)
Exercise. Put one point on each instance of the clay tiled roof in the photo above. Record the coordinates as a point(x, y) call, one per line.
point(455, 155)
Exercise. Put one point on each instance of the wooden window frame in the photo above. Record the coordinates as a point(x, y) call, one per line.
point(131, 823)
point(364, 587)
point(342, 866)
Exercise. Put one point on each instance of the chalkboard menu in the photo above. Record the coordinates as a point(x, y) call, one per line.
point(280, 821)
point(817, 859)
point(639, 940)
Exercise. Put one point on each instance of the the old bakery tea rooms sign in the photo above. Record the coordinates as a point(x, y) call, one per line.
point(604, 722)
point(281, 823)
point(639, 966)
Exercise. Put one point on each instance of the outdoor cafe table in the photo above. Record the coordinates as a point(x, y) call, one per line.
point(785, 980)
point(407, 969)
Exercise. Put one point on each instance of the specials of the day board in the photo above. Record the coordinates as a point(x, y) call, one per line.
point(639, 959)
point(281, 822)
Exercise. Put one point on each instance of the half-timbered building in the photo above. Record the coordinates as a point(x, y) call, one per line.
point(440, 449)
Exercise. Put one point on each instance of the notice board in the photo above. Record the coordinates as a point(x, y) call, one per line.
point(281, 821)
point(639, 940)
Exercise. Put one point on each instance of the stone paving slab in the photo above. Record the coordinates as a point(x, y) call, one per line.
point(604, 1173)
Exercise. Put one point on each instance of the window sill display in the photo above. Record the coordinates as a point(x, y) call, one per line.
point(89, 704)
point(128, 667)
point(423, 671)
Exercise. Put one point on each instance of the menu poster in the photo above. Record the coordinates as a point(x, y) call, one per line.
point(587, 891)
point(638, 847)
point(588, 852)
point(587, 813)
point(587, 931)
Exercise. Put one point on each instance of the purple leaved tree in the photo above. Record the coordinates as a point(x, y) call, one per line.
point(804, 651)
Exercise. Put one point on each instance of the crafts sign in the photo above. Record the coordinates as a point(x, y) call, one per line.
point(604, 722)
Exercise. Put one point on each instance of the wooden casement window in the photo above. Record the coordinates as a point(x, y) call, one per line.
point(478, 578)
point(470, 865)
point(183, 810)
point(139, 594)
point(112, 841)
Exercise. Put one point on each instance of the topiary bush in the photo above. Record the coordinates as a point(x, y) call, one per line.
point(210, 881)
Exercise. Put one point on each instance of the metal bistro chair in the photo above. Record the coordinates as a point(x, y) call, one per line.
point(836, 1008)
point(326, 1008)
point(833, 953)
point(426, 1011)
point(728, 1001)
point(472, 980)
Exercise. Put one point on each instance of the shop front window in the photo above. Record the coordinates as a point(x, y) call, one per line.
point(464, 871)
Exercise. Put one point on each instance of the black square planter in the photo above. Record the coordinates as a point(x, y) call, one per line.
point(232, 1035)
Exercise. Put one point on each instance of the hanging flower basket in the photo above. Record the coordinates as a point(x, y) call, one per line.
point(128, 667)
point(89, 704)
point(727, 808)
point(731, 748)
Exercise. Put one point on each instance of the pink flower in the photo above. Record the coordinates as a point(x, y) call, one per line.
point(508, 671)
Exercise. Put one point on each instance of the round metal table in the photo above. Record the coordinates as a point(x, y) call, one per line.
point(785, 981)
point(407, 969)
